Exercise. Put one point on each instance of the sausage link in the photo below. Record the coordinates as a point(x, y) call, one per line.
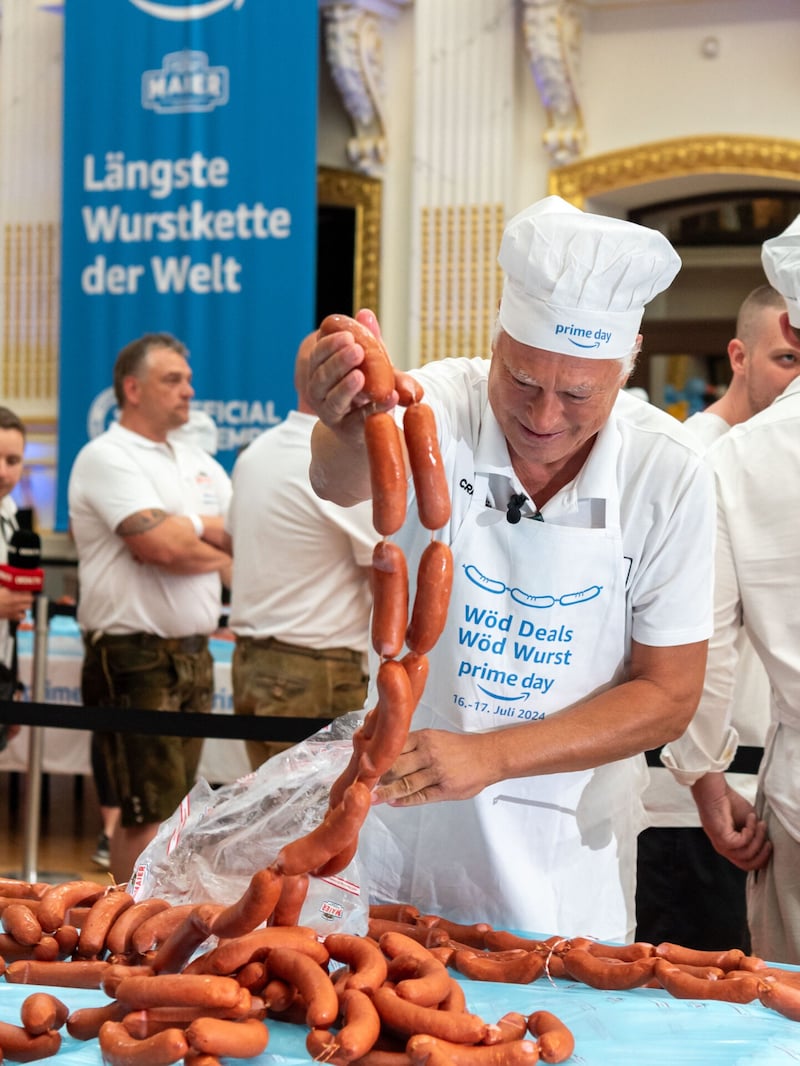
point(393, 716)
point(239, 1040)
point(178, 990)
point(395, 912)
point(253, 908)
point(684, 985)
point(377, 367)
point(473, 936)
point(82, 974)
point(18, 1045)
point(333, 835)
point(20, 922)
point(174, 953)
point(624, 952)
point(427, 468)
point(13, 889)
point(98, 922)
point(357, 1036)
point(423, 1047)
point(389, 599)
point(252, 976)
point(311, 981)
point(366, 961)
point(119, 1048)
point(428, 983)
point(58, 899)
point(432, 596)
point(608, 974)
point(406, 1018)
point(512, 1026)
point(517, 967)
point(85, 1023)
point(232, 955)
point(40, 1012)
point(554, 1038)
point(118, 940)
point(725, 960)
point(291, 899)
point(66, 936)
point(150, 1020)
point(387, 472)
point(155, 929)
point(399, 938)
point(780, 996)
point(118, 972)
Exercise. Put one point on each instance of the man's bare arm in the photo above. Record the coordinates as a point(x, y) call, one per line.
point(170, 542)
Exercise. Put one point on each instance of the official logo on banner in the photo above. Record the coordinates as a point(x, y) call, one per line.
point(102, 412)
point(182, 11)
point(185, 83)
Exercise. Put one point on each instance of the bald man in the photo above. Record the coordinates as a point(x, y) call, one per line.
point(300, 599)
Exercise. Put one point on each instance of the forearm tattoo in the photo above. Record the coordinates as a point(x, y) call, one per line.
point(141, 522)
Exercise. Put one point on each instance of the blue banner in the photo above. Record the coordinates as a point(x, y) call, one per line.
point(189, 204)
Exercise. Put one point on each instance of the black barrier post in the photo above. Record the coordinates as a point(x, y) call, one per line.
point(33, 783)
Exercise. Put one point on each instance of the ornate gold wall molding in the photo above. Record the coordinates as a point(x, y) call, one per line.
point(363, 195)
point(710, 154)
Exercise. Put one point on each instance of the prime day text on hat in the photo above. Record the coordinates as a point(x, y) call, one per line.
point(578, 283)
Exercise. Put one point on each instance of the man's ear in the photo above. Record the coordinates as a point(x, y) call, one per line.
point(737, 355)
point(131, 387)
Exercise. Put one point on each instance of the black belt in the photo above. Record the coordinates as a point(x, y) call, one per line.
point(746, 760)
point(188, 645)
point(346, 655)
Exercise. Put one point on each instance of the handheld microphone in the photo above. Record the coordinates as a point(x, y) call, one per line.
point(22, 572)
point(514, 507)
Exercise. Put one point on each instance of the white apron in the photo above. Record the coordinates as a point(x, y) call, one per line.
point(536, 623)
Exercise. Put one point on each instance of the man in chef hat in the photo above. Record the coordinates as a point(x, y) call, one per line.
point(581, 530)
point(757, 471)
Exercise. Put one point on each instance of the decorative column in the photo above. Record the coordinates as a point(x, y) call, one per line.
point(354, 51)
point(552, 33)
point(463, 110)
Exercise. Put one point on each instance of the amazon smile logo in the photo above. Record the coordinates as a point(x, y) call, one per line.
point(584, 338)
point(182, 11)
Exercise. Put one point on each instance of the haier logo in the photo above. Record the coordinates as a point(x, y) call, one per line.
point(183, 12)
point(185, 83)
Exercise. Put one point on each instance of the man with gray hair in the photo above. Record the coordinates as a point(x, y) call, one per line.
point(581, 530)
point(147, 515)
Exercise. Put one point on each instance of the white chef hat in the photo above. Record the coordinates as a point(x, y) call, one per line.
point(780, 257)
point(578, 283)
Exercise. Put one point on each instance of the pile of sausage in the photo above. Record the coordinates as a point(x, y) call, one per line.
point(197, 982)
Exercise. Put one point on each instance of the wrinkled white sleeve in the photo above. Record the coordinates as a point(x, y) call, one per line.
point(709, 743)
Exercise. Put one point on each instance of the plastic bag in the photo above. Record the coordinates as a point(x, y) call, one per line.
point(217, 838)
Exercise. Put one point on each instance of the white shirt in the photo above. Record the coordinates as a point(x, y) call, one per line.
point(114, 476)
point(757, 468)
point(668, 803)
point(8, 510)
point(300, 564)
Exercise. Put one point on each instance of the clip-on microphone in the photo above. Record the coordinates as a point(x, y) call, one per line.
point(514, 507)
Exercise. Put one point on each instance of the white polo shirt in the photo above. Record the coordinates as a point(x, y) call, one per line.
point(757, 466)
point(114, 476)
point(300, 563)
